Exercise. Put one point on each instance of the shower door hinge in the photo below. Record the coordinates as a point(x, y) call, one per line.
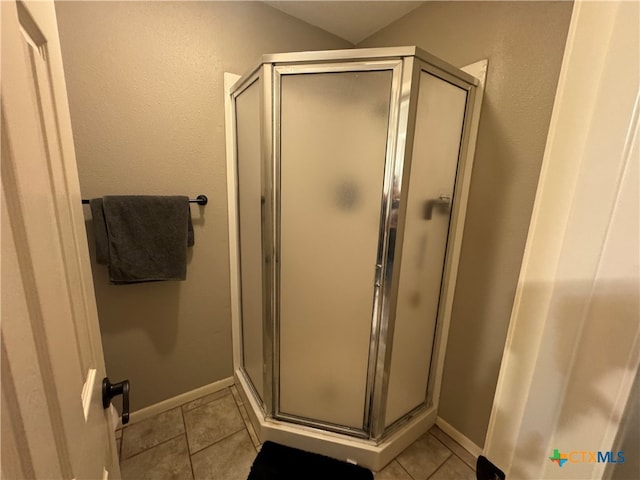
point(378, 275)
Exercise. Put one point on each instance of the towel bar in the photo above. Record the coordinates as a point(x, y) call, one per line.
point(200, 200)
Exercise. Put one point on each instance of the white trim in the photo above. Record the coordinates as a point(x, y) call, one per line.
point(464, 442)
point(361, 452)
point(176, 401)
point(87, 391)
point(234, 275)
point(477, 70)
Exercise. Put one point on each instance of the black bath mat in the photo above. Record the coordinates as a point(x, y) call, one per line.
point(277, 462)
point(485, 470)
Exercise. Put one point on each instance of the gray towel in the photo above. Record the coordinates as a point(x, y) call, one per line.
point(99, 231)
point(147, 237)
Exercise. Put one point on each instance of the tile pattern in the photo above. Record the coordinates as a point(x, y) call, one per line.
point(453, 468)
point(151, 432)
point(212, 422)
point(245, 417)
point(454, 446)
point(206, 399)
point(212, 438)
point(169, 460)
point(393, 471)
point(230, 459)
point(423, 457)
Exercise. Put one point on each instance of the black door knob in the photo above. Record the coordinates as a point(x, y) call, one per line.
point(110, 390)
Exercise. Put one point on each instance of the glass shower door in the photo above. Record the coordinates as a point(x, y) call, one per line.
point(440, 115)
point(250, 232)
point(332, 150)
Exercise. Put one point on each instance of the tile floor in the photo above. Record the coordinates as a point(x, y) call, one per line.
point(212, 438)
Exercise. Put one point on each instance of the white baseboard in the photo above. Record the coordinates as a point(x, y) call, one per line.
point(176, 401)
point(467, 444)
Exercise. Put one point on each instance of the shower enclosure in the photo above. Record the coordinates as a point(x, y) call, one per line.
point(350, 170)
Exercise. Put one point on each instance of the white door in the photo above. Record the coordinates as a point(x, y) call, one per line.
point(53, 422)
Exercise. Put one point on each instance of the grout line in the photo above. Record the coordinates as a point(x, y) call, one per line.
point(236, 395)
point(217, 441)
point(200, 406)
point(440, 442)
point(253, 436)
point(182, 405)
point(249, 426)
point(452, 451)
point(184, 432)
point(446, 459)
point(186, 439)
point(245, 418)
point(154, 446)
point(402, 467)
point(220, 439)
point(440, 466)
point(446, 435)
point(465, 463)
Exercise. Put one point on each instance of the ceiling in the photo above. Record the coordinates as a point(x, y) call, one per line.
point(353, 21)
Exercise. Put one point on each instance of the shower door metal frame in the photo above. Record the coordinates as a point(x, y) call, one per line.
point(393, 242)
point(407, 63)
point(465, 82)
point(397, 103)
point(454, 230)
point(243, 84)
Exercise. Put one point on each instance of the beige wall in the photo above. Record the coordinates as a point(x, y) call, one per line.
point(524, 42)
point(145, 83)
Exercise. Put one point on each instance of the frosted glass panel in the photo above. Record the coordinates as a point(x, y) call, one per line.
point(433, 168)
point(249, 208)
point(333, 142)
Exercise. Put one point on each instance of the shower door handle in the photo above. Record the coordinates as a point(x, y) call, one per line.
point(110, 390)
point(443, 202)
